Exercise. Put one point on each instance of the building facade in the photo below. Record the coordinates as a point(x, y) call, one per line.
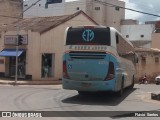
point(148, 63)
point(156, 36)
point(40, 56)
point(102, 14)
point(156, 40)
point(40, 9)
point(9, 11)
point(139, 34)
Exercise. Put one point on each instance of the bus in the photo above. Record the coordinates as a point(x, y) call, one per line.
point(97, 59)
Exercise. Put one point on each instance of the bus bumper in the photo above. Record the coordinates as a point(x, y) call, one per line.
point(91, 86)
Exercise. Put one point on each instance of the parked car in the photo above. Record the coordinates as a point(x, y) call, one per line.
point(157, 79)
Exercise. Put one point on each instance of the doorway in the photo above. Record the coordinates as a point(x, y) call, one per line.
point(21, 68)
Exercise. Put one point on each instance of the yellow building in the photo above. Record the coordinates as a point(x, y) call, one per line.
point(9, 11)
point(40, 56)
point(148, 63)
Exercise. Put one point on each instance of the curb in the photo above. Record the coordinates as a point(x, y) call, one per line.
point(57, 82)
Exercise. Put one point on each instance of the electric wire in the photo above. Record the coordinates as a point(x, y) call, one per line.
point(142, 6)
point(113, 5)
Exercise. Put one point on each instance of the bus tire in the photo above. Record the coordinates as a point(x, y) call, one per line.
point(83, 93)
point(120, 92)
point(132, 85)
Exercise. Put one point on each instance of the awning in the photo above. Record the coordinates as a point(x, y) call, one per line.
point(11, 52)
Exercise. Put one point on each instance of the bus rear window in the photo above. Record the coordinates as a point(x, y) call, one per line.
point(88, 36)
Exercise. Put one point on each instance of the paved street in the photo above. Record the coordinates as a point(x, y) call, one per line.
point(54, 98)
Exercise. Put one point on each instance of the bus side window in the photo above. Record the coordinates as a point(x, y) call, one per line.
point(117, 39)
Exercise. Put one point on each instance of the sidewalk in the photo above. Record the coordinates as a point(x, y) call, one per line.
point(29, 82)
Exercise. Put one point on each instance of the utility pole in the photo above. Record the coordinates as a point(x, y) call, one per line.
point(17, 45)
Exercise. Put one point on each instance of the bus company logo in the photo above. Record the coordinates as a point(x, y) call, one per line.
point(88, 35)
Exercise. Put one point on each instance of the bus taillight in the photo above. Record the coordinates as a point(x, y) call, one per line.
point(65, 74)
point(110, 74)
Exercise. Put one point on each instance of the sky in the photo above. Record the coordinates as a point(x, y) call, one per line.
point(149, 6)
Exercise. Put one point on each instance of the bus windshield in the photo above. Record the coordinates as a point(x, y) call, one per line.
point(88, 36)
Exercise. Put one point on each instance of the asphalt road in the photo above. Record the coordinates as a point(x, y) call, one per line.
point(54, 98)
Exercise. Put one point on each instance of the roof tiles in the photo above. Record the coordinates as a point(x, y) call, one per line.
point(41, 24)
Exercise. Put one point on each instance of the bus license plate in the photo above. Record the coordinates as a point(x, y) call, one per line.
point(86, 84)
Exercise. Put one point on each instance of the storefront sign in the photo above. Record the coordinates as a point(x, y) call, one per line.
point(11, 39)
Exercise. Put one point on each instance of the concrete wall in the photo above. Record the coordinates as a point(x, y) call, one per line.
point(74, 6)
point(129, 22)
point(156, 40)
point(99, 15)
point(141, 33)
point(135, 31)
point(39, 9)
point(148, 65)
point(113, 16)
point(8, 10)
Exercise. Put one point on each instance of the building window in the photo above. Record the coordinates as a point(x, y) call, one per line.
point(25, 5)
point(117, 8)
point(127, 36)
point(97, 8)
point(156, 59)
point(47, 65)
point(46, 6)
point(77, 8)
point(142, 36)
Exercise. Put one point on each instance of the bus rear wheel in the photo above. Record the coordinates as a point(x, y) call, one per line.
point(132, 85)
point(83, 93)
point(120, 92)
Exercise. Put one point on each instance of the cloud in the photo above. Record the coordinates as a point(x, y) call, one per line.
point(149, 6)
point(130, 14)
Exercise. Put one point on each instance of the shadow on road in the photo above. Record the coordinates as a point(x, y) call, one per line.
point(106, 98)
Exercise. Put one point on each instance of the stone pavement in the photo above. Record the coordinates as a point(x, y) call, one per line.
point(29, 82)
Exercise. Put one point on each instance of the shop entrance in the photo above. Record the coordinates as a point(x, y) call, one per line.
point(21, 66)
point(10, 62)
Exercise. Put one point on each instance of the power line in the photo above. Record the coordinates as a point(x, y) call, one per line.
point(30, 7)
point(113, 5)
point(144, 7)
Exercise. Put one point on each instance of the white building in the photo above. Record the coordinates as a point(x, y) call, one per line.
point(139, 34)
point(40, 10)
point(102, 14)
